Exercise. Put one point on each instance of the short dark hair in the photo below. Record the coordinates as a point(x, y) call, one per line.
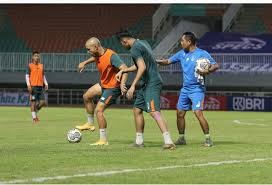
point(190, 36)
point(123, 33)
point(35, 52)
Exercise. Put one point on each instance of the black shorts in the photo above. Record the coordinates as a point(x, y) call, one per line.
point(37, 93)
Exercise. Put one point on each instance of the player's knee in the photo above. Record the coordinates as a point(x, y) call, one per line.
point(87, 97)
point(99, 113)
point(198, 113)
point(137, 111)
point(155, 115)
point(42, 104)
point(181, 114)
point(152, 114)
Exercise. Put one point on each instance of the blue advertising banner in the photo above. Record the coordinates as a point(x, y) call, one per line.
point(220, 42)
point(14, 98)
point(243, 103)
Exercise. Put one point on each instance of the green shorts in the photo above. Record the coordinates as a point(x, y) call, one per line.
point(37, 93)
point(109, 96)
point(148, 98)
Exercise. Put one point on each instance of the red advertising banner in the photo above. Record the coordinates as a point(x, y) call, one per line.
point(169, 101)
point(210, 103)
point(215, 103)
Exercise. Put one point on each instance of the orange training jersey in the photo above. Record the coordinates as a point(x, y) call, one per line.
point(36, 74)
point(107, 70)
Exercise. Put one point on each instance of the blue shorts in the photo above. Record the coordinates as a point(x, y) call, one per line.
point(188, 99)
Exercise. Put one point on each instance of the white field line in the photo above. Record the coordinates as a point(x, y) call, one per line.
point(107, 173)
point(247, 123)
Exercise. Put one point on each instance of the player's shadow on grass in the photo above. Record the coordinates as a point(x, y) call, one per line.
point(215, 143)
point(189, 143)
point(146, 143)
point(229, 142)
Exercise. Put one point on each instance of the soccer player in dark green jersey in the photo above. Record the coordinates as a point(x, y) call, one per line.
point(150, 82)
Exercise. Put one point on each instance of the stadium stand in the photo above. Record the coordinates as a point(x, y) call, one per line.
point(171, 20)
point(9, 41)
point(67, 27)
point(266, 17)
point(60, 32)
point(248, 22)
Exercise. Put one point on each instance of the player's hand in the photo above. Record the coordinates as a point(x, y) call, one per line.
point(162, 61)
point(159, 61)
point(203, 72)
point(46, 87)
point(118, 76)
point(81, 66)
point(29, 88)
point(130, 92)
point(123, 88)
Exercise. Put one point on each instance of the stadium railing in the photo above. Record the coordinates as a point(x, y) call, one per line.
point(73, 97)
point(68, 62)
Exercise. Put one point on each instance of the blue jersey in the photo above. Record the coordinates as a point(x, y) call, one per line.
point(188, 63)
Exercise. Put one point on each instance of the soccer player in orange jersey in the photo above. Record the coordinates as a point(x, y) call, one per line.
point(108, 64)
point(36, 84)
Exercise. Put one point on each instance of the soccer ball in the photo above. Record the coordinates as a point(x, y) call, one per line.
point(74, 136)
point(202, 64)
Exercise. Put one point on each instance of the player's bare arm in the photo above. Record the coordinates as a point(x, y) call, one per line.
point(45, 83)
point(163, 61)
point(212, 68)
point(82, 65)
point(118, 76)
point(130, 69)
point(29, 88)
point(123, 79)
point(141, 69)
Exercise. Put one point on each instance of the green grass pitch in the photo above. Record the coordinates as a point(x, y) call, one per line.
point(31, 151)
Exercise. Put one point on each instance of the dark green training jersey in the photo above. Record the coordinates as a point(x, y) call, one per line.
point(141, 49)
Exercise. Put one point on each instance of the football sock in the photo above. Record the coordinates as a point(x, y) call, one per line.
point(34, 115)
point(90, 118)
point(167, 138)
point(103, 134)
point(139, 138)
point(181, 136)
point(207, 136)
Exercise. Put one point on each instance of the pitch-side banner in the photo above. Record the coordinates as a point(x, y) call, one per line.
point(220, 42)
point(215, 103)
point(210, 103)
point(169, 101)
point(14, 98)
point(241, 103)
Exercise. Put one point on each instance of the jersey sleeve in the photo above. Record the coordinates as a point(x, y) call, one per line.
point(176, 57)
point(209, 57)
point(136, 54)
point(116, 61)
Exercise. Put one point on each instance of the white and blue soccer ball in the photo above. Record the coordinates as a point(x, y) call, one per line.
point(74, 136)
point(202, 64)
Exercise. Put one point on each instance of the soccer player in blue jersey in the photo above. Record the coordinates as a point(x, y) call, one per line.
point(193, 90)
